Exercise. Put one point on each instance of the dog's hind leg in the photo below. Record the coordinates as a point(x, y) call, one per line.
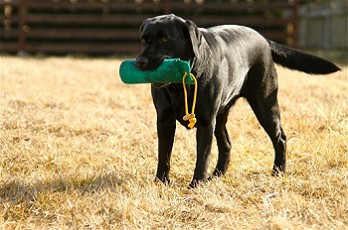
point(267, 112)
point(224, 144)
point(265, 106)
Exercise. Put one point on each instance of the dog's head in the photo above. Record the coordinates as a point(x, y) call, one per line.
point(167, 36)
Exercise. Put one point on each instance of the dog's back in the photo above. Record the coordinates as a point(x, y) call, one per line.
point(248, 44)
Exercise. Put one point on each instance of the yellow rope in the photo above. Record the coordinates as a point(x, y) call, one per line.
point(190, 117)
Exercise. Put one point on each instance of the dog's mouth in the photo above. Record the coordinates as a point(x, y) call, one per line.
point(161, 85)
point(161, 60)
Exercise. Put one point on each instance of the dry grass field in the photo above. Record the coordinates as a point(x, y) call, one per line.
point(79, 151)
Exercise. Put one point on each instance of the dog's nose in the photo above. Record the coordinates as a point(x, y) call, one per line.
point(142, 62)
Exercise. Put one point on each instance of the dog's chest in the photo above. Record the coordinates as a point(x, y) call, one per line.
point(177, 102)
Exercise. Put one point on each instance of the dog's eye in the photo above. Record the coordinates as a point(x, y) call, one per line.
point(164, 39)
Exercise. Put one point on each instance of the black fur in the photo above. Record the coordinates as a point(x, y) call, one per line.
point(229, 62)
point(294, 59)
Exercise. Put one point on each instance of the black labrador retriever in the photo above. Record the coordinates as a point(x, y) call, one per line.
point(229, 62)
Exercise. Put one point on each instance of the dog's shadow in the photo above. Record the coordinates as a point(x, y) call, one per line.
point(17, 191)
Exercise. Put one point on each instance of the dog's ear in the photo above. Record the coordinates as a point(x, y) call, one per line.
point(143, 25)
point(194, 36)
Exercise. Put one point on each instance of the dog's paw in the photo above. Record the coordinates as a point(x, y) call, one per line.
point(278, 171)
point(196, 183)
point(163, 180)
point(193, 184)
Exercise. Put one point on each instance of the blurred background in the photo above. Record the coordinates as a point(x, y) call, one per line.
point(111, 27)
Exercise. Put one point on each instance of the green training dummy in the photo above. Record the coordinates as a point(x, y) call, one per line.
point(170, 70)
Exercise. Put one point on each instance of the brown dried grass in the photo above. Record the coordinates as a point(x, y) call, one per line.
point(78, 151)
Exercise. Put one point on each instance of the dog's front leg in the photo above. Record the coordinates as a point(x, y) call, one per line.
point(165, 133)
point(204, 138)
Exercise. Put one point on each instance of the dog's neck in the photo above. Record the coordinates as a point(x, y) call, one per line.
point(202, 63)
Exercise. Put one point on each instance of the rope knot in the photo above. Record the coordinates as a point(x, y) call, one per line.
point(191, 118)
point(187, 117)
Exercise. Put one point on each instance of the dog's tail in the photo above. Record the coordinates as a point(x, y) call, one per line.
point(295, 59)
